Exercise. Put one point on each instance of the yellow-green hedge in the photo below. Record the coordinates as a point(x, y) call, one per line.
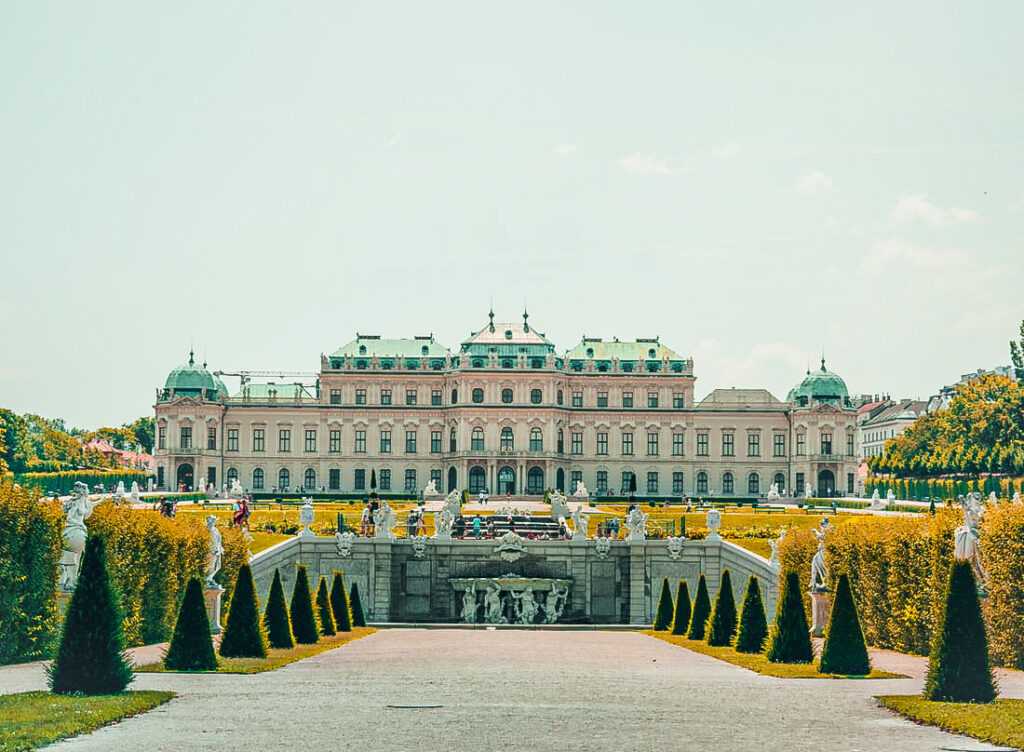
point(63, 482)
point(898, 567)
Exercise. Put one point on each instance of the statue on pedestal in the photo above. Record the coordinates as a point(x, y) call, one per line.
point(306, 516)
point(579, 524)
point(819, 584)
point(469, 605)
point(525, 606)
point(636, 522)
point(77, 509)
point(215, 558)
point(581, 491)
point(714, 523)
point(430, 489)
point(236, 488)
point(135, 492)
point(493, 606)
point(384, 520)
point(774, 560)
point(773, 492)
point(967, 540)
point(559, 506)
point(555, 603)
point(443, 523)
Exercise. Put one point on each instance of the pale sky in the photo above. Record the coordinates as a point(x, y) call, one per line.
point(753, 182)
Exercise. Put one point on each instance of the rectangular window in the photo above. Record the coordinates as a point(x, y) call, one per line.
point(335, 396)
point(702, 443)
point(211, 438)
point(435, 398)
point(310, 440)
point(753, 445)
point(779, 445)
point(627, 482)
point(627, 443)
point(232, 439)
point(360, 396)
point(627, 399)
point(801, 444)
point(652, 444)
point(385, 442)
point(334, 442)
point(677, 484)
point(359, 480)
point(577, 399)
point(799, 484)
point(677, 443)
point(602, 399)
point(849, 445)
point(160, 477)
point(161, 442)
point(576, 444)
point(334, 479)
point(678, 400)
point(360, 442)
point(385, 480)
point(575, 478)
point(652, 399)
point(435, 477)
point(257, 440)
point(410, 481)
point(602, 481)
point(826, 443)
point(435, 442)
point(652, 482)
point(385, 396)
point(411, 396)
point(186, 437)
point(602, 443)
point(728, 445)
point(284, 440)
point(476, 440)
point(410, 442)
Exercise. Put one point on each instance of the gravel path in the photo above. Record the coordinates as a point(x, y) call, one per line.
point(505, 690)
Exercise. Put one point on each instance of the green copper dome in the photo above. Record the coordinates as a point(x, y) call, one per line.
point(191, 380)
point(822, 386)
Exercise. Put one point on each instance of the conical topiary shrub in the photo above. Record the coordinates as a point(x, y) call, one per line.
point(753, 630)
point(701, 611)
point(323, 608)
point(958, 667)
point(358, 617)
point(91, 657)
point(723, 618)
point(303, 620)
point(790, 638)
point(339, 604)
point(844, 651)
point(663, 616)
point(191, 647)
point(681, 618)
point(275, 618)
point(244, 636)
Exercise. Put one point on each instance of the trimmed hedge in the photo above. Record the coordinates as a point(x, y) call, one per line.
point(790, 640)
point(723, 618)
point(753, 630)
point(64, 482)
point(275, 618)
point(356, 605)
point(339, 604)
point(701, 611)
point(191, 647)
point(303, 620)
point(844, 651)
point(243, 636)
point(681, 618)
point(663, 616)
point(323, 607)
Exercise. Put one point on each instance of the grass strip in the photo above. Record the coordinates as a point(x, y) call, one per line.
point(1000, 722)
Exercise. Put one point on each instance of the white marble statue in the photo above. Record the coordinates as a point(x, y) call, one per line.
point(236, 488)
point(493, 606)
point(215, 557)
point(306, 516)
point(469, 605)
point(384, 520)
point(636, 523)
point(559, 506)
point(579, 524)
point(581, 491)
point(714, 524)
point(555, 603)
point(819, 572)
point(525, 606)
point(1016, 497)
point(77, 509)
point(775, 543)
point(992, 498)
point(967, 540)
point(135, 492)
point(430, 489)
point(890, 495)
point(808, 491)
point(877, 504)
point(150, 484)
point(443, 523)
point(773, 492)
point(119, 492)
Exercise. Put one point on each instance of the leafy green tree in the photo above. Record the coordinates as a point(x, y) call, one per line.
point(144, 431)
point(323, 607)
point(358, 617)
point(723, 618)
point(790, 640)
point(753, 629)
point(275, 618)
point(303, 619)
point(663, 616)
point(701, 611)
point(844, 651)
point(1017, 355)
point(681, 618)
point(958, 667)
point(191, 646)
point(91, 658)
point(244, 636)
point(339, 604)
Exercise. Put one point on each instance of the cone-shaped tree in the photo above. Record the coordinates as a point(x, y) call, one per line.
point(723, 618)
point(844, 651)
point(191, 646)
point(358, 617)
point(681, 618)
point(663, 616)
point(701, 611)
point(753, 629)
point(303, 619)
point(958, 668)
point(91, 657)
point(243, 636)
point(323, 608)
point(275, 618)
point(339, 604)
point(790, 639)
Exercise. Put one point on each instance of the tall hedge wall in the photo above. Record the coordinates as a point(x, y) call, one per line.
point(943, 488)
point(897, 567)
point(64, 482)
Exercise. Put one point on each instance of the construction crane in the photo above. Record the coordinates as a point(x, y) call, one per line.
point(246, 376)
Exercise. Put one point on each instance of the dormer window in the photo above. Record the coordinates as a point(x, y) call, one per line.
point(651, 353)
point(362, 349)
point(590, 352)
point(424, 350)
point(508, 334)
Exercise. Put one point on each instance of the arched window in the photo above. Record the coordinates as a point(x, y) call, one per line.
point(727, 484)
point(506, 396)
point(536, 442)
point(284, 478)
point(536, 396)
point(780, 482)
point(257, 479)
point(507, 440)
point(478, 395)
point(535, 481)
point(232, 476)
point(451, 441)
point(702, 482)
point(561, 441)
point(477, 440)
point(753, 484)
point(309, 479)
point(477, 479)
point(455, 396)
point(560, 397)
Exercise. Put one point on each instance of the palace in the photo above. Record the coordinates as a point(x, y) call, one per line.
point(505, 413)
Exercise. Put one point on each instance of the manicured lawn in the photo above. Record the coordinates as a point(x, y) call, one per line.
point(1000, 722)
point(759, 663)
point(759, 546)
point(275, 657)
point(33, 719)
point(261, 541)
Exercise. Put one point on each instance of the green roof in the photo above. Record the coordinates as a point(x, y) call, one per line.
point(286, 392)
point(594, 348)
point(371, 345)
point(190, 380)
point(821, 385)
point(507, 339)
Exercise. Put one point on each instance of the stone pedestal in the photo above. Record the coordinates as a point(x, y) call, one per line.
point(819, 613)
point(212, 597)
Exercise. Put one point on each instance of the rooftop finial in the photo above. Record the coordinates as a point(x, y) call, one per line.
point(191, 356)
point(822, 362)
point(526, 324)
point(490, 315)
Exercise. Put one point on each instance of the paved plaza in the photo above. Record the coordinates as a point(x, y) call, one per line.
point(420, 689)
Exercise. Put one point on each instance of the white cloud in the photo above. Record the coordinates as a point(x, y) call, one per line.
point(726, 151)
point(647, 164)
point(564, 150)
point(919, 208)
point(898, 255)
point(814, 182)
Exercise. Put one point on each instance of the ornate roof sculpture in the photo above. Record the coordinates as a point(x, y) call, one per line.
point(191, 380)
point(820, 386)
